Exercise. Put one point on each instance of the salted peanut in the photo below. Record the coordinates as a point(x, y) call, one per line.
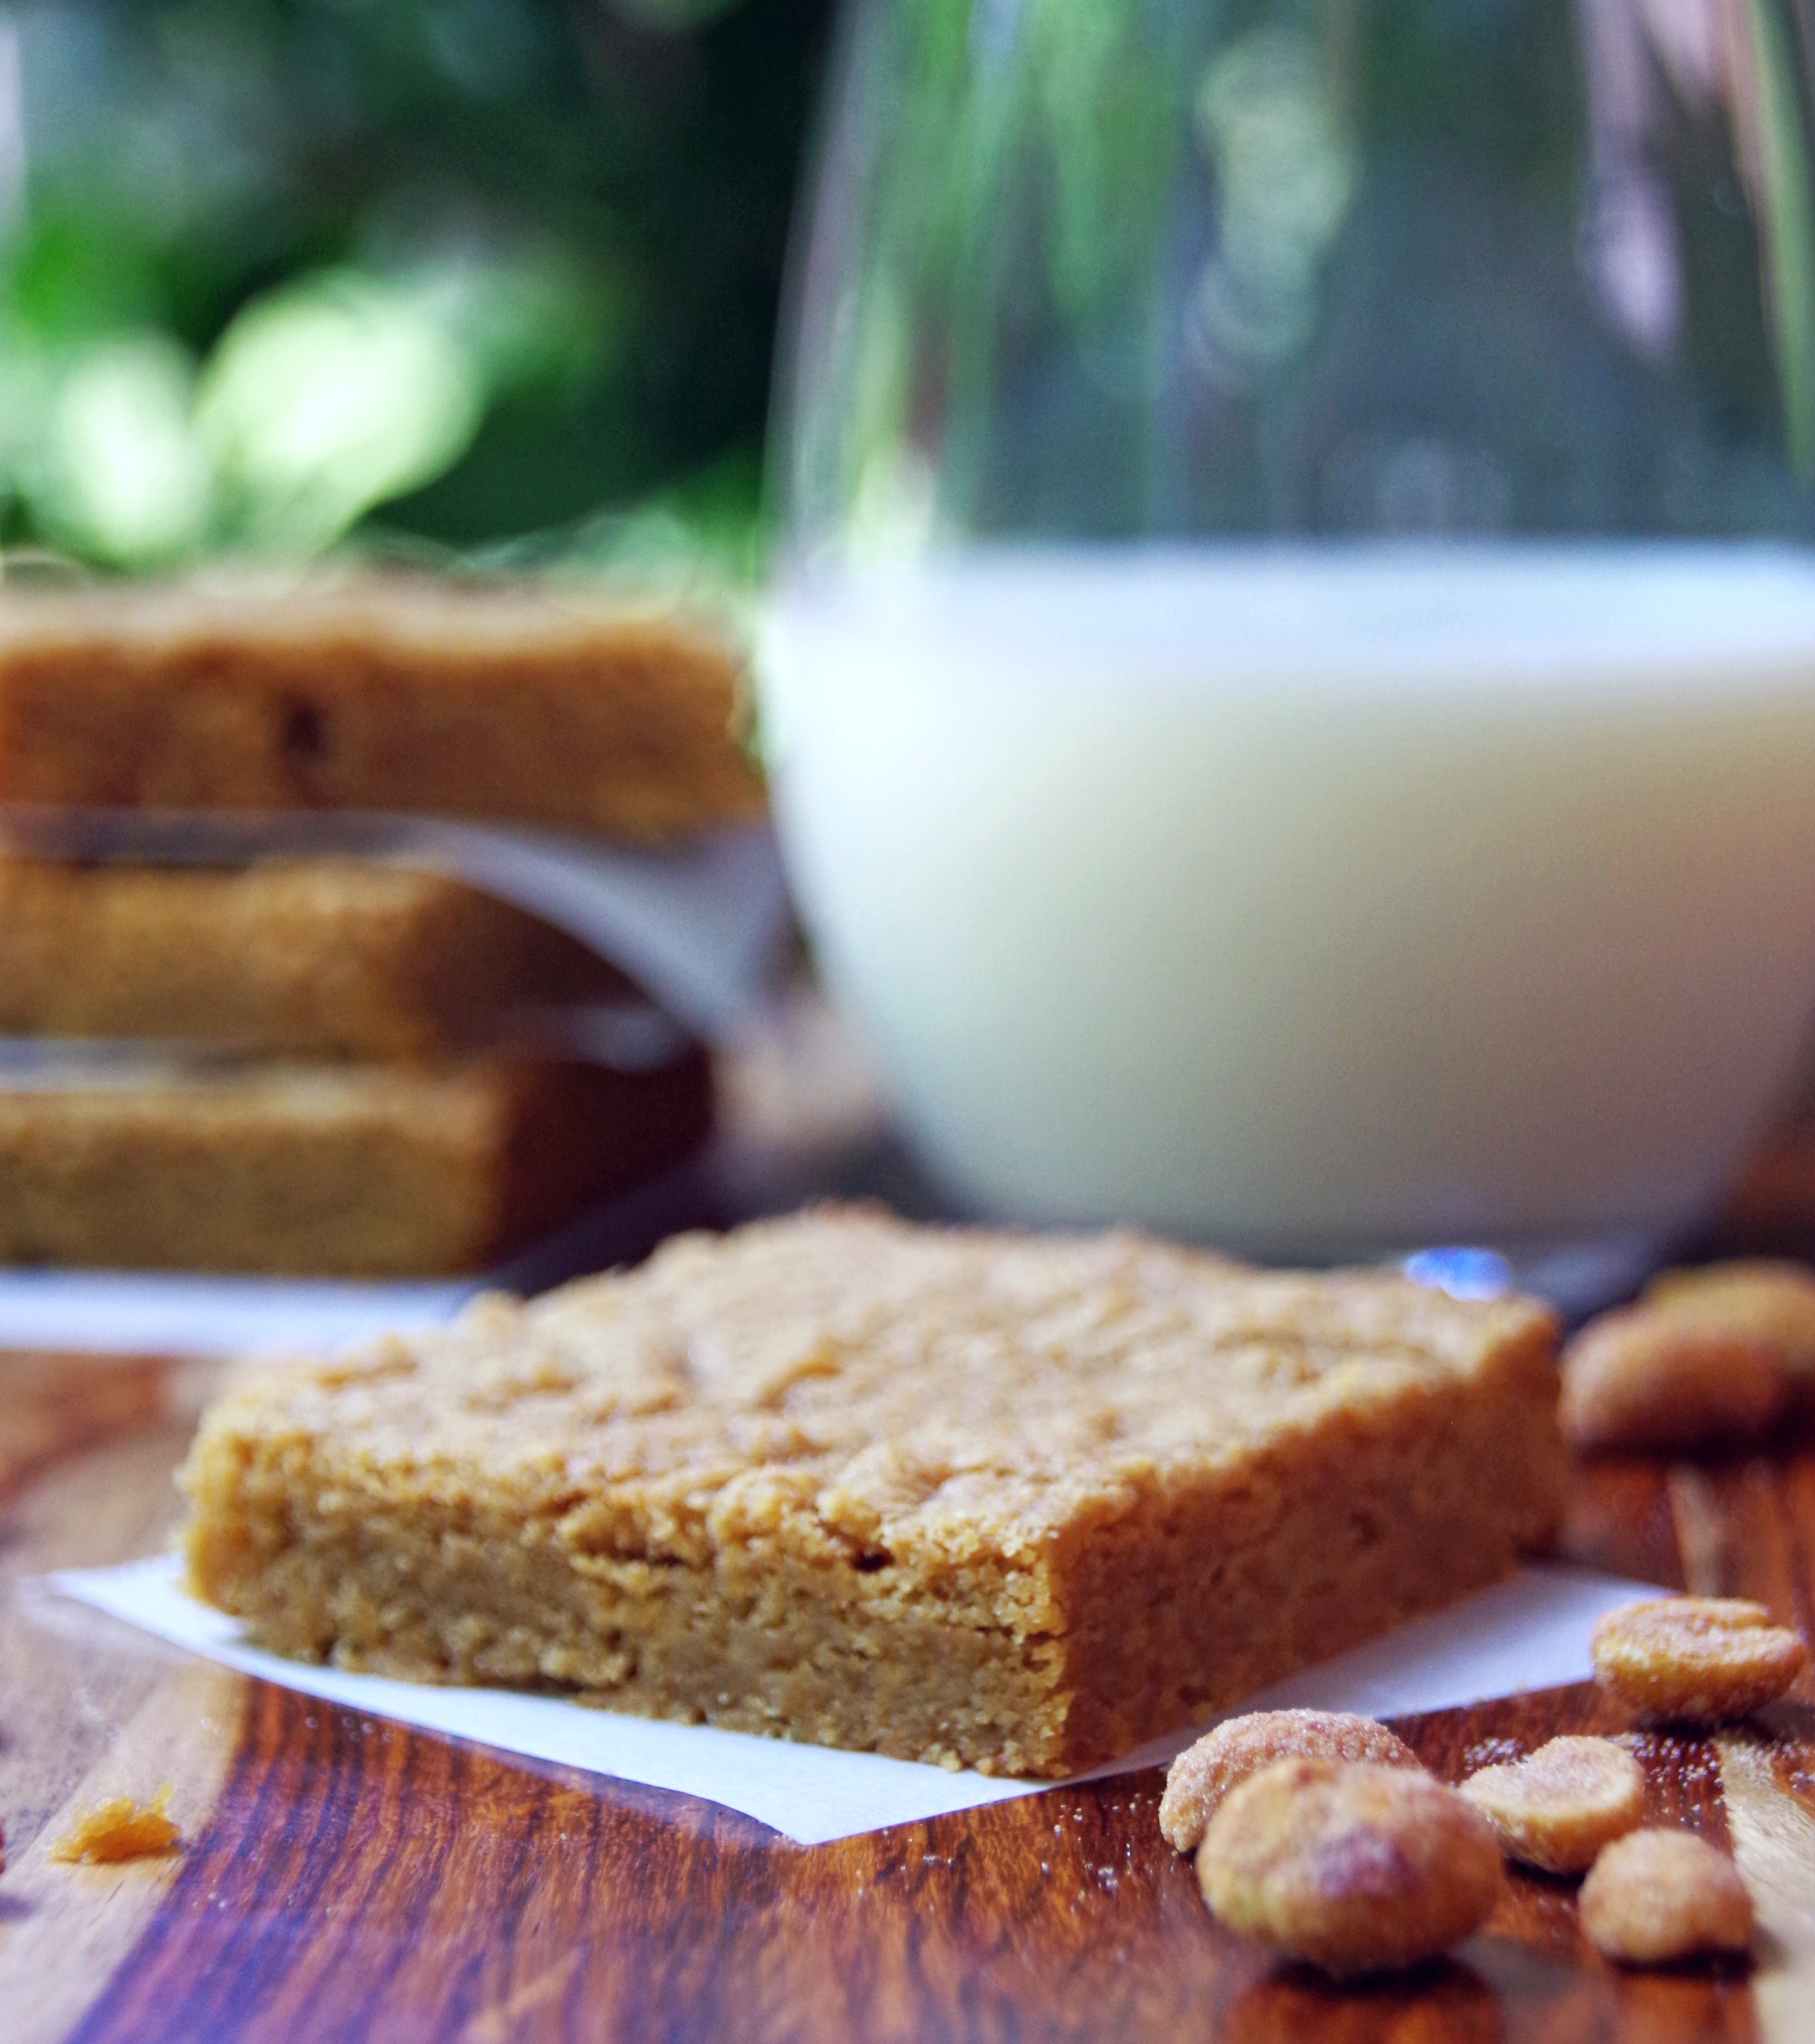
point(1222, 1760)
point(1656, 1896)
point(1353, 1866)
point(119, 1828)
point(1556, 1808)
point(1696, 1660)
point(1649, 1378)
point(1775, 1300)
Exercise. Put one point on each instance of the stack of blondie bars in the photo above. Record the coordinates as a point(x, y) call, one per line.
point(335, 1063)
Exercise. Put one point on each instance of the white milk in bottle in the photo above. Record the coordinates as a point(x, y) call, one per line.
point(1315, 900)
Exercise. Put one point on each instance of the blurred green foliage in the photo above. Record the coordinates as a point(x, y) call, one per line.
point(275, 272)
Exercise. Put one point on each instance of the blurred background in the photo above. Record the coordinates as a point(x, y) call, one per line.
point(438, 276)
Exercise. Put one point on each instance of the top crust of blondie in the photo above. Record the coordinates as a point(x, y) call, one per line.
point(842, 1382)
point(509, 701)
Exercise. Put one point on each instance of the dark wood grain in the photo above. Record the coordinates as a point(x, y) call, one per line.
point(523, 1906)
point(387, 1885)
point(347, 1878)
point(53, 1406)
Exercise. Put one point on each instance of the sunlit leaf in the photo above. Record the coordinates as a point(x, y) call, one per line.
point(119, 473)
point(324, 399)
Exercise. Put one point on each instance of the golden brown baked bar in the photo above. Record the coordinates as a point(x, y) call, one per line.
point(1015, 1501)
point(306, 958)
point(365, 1170)
point(373, 692)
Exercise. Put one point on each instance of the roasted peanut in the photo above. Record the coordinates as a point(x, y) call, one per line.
point(1775, 1300)
point(1656, 1896)
point(1356, 1867)
point(1223, 1759)
point(1646, 1377)
point(1557, 1809)
point(1696, 1660)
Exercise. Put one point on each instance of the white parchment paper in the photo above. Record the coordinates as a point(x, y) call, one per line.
point(1529, 1633)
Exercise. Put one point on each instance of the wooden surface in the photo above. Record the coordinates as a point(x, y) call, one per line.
point(345, 1878)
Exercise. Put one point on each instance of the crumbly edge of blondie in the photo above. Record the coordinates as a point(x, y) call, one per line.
point(1392, 1508)
point(351, 1170)
point(510, 711)
point(297, 958)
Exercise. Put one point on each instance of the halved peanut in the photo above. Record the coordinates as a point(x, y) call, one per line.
point(1656, 1897)
point(1202, 1775)
point(1646, 1378)
point(1773, 1299)
point(1556, 1808)
point(1355, 1867)
point(1696, 1660)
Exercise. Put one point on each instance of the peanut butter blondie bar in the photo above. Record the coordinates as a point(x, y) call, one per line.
point(301, 958)
point(1019, 1502)
point(345, 1170)
point(509, 702)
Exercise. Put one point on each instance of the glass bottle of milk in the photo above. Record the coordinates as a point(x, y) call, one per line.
point(1290, 678)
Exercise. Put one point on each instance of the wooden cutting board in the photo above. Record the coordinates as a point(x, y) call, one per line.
point(344, 1877)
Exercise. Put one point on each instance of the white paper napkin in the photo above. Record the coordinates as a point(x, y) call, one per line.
point(1530, 1633)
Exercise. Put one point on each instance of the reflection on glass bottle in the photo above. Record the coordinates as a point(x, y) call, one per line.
point(1524, 267)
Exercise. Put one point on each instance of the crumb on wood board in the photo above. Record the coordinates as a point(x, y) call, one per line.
point(120, 1828)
